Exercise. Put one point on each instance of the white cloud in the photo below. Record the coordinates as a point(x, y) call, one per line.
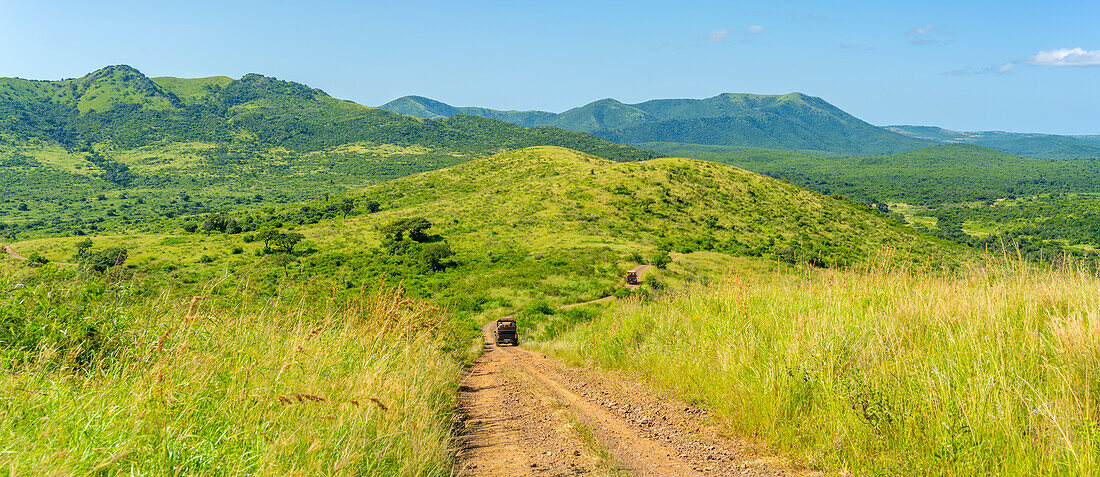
point(1065, 57)
point(928, 34)
point(755, 29)
point(1002, 68)
point(717, 35)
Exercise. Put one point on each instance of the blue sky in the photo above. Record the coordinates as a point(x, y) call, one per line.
point(979, 65)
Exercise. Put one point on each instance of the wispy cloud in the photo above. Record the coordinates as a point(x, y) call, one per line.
point(995, 69)
point(1065, 57)
point(1060, 57)
point(928, 34)
point(717, 35)
point(747, 34)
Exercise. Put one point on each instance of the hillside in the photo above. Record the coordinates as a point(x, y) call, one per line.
point(550, 211)
point(115, 147)
point(790, 122)
point(1040, 146)
point(961, 192)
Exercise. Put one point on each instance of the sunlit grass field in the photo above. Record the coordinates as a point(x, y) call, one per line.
point(991, 370)
point(130, 376)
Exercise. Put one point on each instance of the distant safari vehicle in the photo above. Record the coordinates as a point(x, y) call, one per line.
point(632, 278)
point(505, 331)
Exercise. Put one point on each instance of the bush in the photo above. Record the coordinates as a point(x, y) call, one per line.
point(107, 258)
point(661, 259)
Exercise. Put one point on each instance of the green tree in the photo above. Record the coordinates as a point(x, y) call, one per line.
point(288, 240)
point(414, 228)
point(347, 206)
point(82, 247)
point(432, 255)
point(661, 259)
point(373, 206)
point(105, 259)
point(268, 236)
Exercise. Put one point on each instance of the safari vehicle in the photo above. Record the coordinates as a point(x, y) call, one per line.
point(632, 278)
point(505, 331)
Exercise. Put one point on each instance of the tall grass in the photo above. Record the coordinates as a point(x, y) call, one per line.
point(991, 370)
point(226, 385)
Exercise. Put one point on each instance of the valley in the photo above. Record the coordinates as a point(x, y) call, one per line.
point(251, 277)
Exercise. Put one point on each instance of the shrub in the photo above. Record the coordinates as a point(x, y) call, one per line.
point(107, 258)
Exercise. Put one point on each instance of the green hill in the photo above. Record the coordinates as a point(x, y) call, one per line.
point(118, 147)
point(551, 212)
point(961, 192)
point(1040, 146)
point(790, 122)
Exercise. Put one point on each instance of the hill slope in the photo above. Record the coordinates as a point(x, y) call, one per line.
point(538, 223)
point(791, 122)
point(198, 145)
point(1040, 146)
point(549, 197)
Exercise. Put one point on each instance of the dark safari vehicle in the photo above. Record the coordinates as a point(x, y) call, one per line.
point(506, 331)
point(632, 278)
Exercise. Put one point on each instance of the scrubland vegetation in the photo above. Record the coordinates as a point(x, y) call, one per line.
point(126, 373)
point(994, 369)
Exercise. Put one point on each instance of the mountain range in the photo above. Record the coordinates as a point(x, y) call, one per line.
point(1040, 146)
point(789, 122)
point(792, 121)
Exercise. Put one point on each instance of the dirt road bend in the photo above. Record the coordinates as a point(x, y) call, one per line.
point(10, 251)
point(525, 414)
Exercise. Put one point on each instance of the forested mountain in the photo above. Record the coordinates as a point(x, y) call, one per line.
point(121, 106)
point(790, 122)
point(1041, 146)
point(117, 146)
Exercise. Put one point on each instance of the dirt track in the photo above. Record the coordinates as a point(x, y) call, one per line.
point(525, 414)
point(10, 251)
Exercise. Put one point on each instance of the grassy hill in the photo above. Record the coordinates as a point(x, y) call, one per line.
point(790, 122)
point(958, 191)
point(1040, 146)
point(115, 148)
point(540, 223)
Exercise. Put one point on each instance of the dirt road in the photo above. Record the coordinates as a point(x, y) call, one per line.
point(525, 414)
point(10, 251)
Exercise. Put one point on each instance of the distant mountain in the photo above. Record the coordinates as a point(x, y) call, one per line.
point(789, 122)
point(1040, 146)
point(120, 105)
point(159, 147)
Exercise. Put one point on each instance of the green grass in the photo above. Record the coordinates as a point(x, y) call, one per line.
point(118, 374)
point(989, 371)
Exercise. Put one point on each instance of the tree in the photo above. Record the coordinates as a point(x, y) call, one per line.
point(268, 236)
point(105, 259)
point(414, 228)
point(347, 206)
point(82, 247)
point(433, 255)
point(661, 259)
point(288, 240)
point(373, 206)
